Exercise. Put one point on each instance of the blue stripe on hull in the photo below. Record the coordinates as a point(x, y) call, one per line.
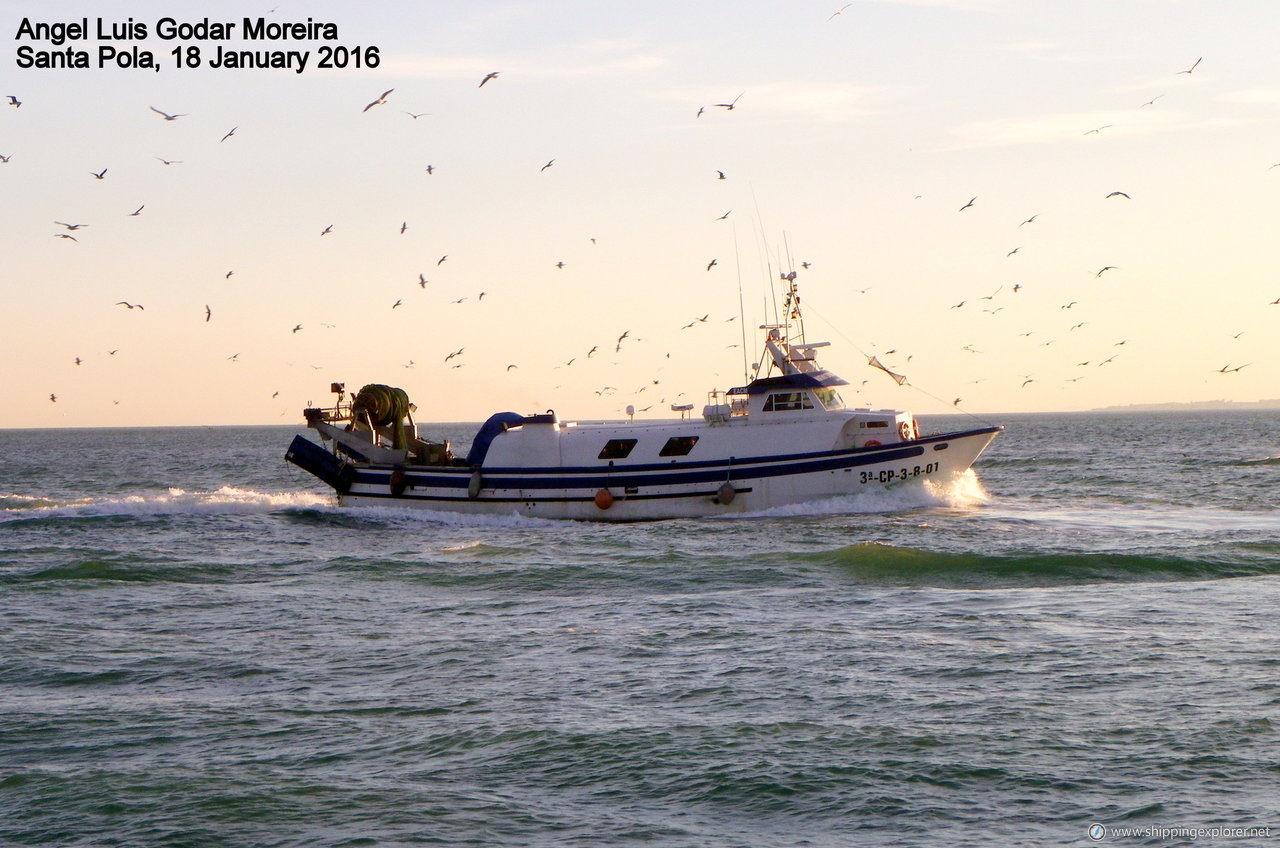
point(624, 476)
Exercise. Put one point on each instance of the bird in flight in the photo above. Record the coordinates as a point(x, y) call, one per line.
point(327, 230)
point(1190, 69)
point(422, 281)
point(167, 116)
point(70, 226)
point(1029, 220)
point(65, 236)
point(404, 225)
point(170, 161)
point(208, 313)
point(431, 169)
point(53, 398)
point(1098, 130)
point(297, 327)
point(230, 133)
point(967, 205)
point(13, 101)
point(721, 175)
point(546, 166)
point(417, 116)
point(131, 305)
point(1107, 268)
point(397, 303)
point(442, 259)
point(731, 104)
point(711, 264)
point(101, 175)
point(838, 12)
point(1119, 194)
point(382, 98)
point(1152, 101)
point(487, 77)
point(135, 213)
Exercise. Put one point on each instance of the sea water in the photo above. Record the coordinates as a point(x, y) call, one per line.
point(199, 648)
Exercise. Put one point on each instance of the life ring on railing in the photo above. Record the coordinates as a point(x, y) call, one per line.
point(904, 431)
point(915, 429)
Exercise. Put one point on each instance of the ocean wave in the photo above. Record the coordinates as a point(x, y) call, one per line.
point(175, 501)
point(880, 563)
point(1266, 460)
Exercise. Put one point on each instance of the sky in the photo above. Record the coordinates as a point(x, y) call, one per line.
point(903, 157)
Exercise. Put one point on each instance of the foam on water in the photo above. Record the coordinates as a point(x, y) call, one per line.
point(225, 500)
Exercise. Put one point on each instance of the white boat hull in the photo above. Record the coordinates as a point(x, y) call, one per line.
point(656, 491)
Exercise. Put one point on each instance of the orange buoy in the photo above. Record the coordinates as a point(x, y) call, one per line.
point(604, 499)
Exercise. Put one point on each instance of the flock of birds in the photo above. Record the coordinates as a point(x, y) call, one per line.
point(455, 358)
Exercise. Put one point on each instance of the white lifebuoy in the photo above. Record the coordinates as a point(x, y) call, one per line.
point(904, 431)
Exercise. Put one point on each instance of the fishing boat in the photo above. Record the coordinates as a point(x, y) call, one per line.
point(785, 437)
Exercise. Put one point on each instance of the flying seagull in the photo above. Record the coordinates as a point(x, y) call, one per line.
point(131, 305)
point(13, 101)
point(967, 205)
point(731, 103)
point(167, 116)
point(487, 77)
point(1119, 194)
point(70, 226)
point(230, 133)
point(382, 98)
point(135, 213)
point(546, 166)
point(1190, 69)
point(102, 175)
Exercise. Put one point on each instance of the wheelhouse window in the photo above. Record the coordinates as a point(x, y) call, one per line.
point(678, 446)
point(617, 448)
point(787, 402)
point(830, 398)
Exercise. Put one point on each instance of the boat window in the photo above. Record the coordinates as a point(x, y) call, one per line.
point(877, 424)
point(830, 398)
point(617, 448)
point(678, 446)
point(787, 402)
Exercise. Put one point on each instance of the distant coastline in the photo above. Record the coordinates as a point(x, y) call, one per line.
point(1269, 403)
